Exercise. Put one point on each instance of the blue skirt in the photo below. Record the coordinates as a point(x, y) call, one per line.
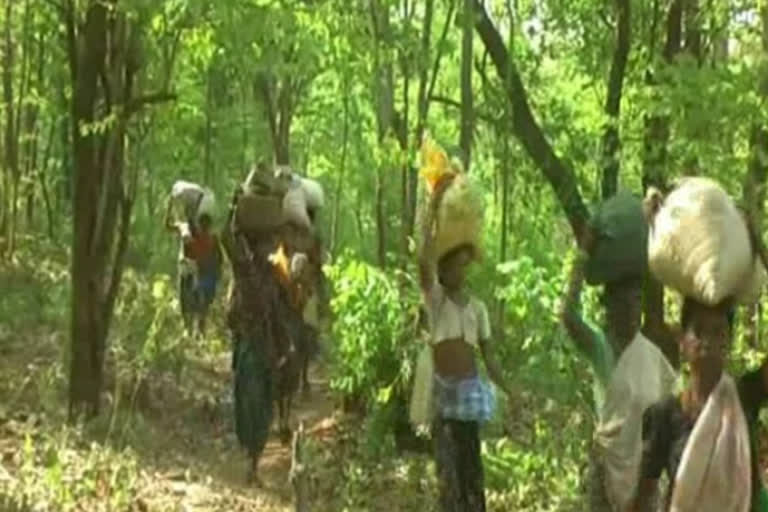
point(470, 399)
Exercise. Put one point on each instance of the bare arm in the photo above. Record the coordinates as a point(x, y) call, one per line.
point(492, 364)
point(230, 240)
point(427, 256)
point(170, 224)
point(427, 263)
point(570, 314)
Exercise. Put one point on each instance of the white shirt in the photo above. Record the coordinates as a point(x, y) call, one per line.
point(448, 320)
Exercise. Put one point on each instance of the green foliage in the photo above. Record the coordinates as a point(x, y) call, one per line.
point(373, 331)
point(214, 56)
point(62, 471)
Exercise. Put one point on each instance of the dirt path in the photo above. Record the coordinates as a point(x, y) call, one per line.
point(210, 466)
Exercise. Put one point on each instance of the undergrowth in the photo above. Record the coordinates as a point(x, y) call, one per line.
point(165, 437)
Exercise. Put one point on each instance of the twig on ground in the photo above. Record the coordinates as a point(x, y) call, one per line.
point(298, 474)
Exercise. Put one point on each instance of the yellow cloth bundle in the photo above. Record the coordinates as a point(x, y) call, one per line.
point(461, 211)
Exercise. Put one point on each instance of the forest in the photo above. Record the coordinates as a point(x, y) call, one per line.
point(552, 106)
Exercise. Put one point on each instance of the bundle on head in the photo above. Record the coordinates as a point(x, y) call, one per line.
point(461, 212)
point(699, 243)
point(193, 199)
point(619, 244)
point(275, 197)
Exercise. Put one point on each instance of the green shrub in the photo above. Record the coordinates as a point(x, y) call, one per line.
point(373, 331)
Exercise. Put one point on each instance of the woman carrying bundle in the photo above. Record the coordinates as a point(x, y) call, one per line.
point(703, 438)
point(631, 372)
point(200, 261)
point(678, 432)
point(262, 323)
point(460, 331)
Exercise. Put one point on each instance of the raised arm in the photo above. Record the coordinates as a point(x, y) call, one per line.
point(170, 224)
point(585, 338)
point(427, 256)
point(231, 240)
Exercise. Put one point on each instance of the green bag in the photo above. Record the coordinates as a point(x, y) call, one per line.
point(620, 248)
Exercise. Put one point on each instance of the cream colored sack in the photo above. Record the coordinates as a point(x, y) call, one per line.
point(459, 216)
point(698, 244)
point(423, 386)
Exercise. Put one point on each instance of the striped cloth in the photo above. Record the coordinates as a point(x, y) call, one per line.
point(464, 400)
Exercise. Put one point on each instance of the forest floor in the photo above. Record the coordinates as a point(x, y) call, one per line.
point(165, 439)
point(176, 451)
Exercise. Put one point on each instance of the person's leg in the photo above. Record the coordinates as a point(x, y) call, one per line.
point(253, 403)
point(598, 499)
point(206, 292)
point(186, 295)
point(470, 465)
point(308, 353)
point(447, 462)
point(202, 315)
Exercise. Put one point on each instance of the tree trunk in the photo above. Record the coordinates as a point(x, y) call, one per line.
point(754, 199)
point(43, 175)
point(525, 127)
point(103, 79)
point(467, 105)
point(505, 171)
point(279, 103)
point(10, 138)
point(611, 140)
point(693, 29)
point(755, 182)
point(427, 81)
point(654, 166)
point(33, 136)
point(65, 191)
point(385, 117)
point(335, 222)
point(88, 270)
point(208, 161)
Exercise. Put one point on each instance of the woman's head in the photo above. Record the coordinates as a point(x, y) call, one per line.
point(706, 332)
point(452, 266)
point(623, 303)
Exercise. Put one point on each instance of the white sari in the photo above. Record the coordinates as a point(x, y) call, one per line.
point(715, 472)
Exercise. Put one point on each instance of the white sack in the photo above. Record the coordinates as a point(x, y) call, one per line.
point(698, 244)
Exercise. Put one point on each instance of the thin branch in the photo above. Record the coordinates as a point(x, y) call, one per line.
point(558, 172)
point(604, 18)
point(449, 102)
point(56, 5)
point(439, 56)
point(136, 104)
point(611, 140)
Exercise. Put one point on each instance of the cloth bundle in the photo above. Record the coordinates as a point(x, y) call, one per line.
point(715, 473)
point(620, 249)
point(273, 199)
point(194, 199)
point(460, 215)
point(699, 243)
